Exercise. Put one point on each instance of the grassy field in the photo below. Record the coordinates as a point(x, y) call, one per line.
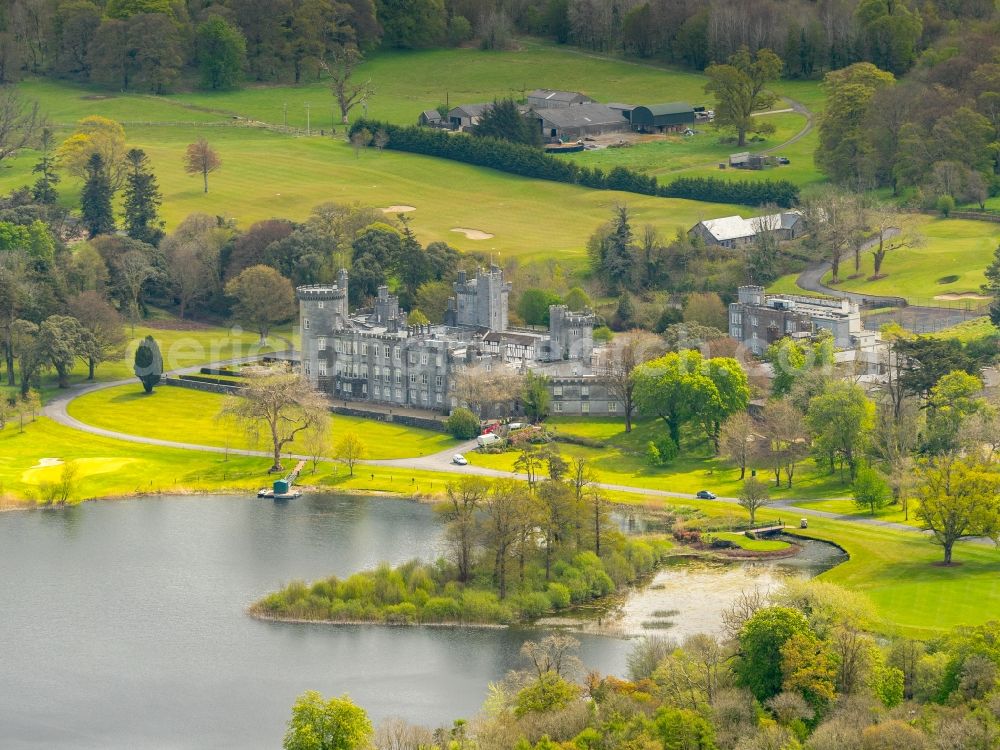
point(950, 260)
point(527, 218)
point(754, 545)
point(183, 415)
point(622, 461)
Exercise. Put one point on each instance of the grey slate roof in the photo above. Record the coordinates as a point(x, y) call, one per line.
point(581, 116)
point(555, 95)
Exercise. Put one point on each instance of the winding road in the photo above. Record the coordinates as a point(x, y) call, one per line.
point(57, 409)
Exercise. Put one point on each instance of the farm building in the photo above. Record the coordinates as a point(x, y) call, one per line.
point(625, 109)
point(432, 118)
point(658, 118)
point(735, 231)
point(746, 160)
point(466, 115)
point(580, 120)
point(552, 99)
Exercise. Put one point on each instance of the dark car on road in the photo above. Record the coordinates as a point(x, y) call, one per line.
point(705, 495)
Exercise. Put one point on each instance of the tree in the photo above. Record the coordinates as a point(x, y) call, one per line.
point(95, 135)
point(360, 140)
point(462, 424)
point(870, 490)
point(535, 396)
point(349, 450)
point(488, 392)
point(736, 438)
point(193, 255)
point(892, 233)
point(758, 663)
point(263, 297)
point(465, 498)
point(59, 340)
point(739, 88)
point(344, 60)
point(839, 420)
point(44, 189)
point(200, 158)
point(890, 33)
point(316, 440)
point(278, 402)
point(107, 333)
point(808, 668)
point(618, 361)
point(952, 401)
point(134, 270)
point(505, 507)
point(958, 500)
point(785, 440)
point(142, 199)
point(222, 52)
point(753, 496)
point(706, 308)
point(992, 286)
point(148, 363)
point(577, 300)
point(95, 199)
point(327, 724)
point(504, 121)
point(20, 123)
point(845, 152)
point(411, 24)
point(533, 306)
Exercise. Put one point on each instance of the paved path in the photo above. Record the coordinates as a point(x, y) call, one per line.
point(811, 280)
point(57, 410)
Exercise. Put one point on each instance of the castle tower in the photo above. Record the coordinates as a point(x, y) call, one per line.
point(571, 334)
point(481, 302)
point(322, 310)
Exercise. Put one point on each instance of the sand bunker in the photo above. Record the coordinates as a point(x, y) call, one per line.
point(473, 234)
point(398, 209)
point(43, 462)
point(962, 295)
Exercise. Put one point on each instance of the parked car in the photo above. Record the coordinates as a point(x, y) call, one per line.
point(705, 495)
point(784, 160)
point(459, 459)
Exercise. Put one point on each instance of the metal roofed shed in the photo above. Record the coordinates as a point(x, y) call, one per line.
point(662, 117)
point(580, 120)
point(553, 98)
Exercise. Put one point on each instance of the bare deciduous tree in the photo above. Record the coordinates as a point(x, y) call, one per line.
point(341, 68)
point(278, 402)
point(20, 122)
point(626, 352)
point(201, 158)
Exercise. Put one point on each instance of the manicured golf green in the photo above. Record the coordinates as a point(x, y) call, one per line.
point(183, 415)
point(948, 263)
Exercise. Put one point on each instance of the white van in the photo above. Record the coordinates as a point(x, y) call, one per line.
point(487, 439)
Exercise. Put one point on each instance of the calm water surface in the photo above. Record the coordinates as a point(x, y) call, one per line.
point(123, 624)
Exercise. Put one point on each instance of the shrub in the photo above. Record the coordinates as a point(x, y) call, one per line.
point(404, 613)
point(441, 609)
point(534, 604)
point(945, 204)
point(462, 424)
point(559, 596)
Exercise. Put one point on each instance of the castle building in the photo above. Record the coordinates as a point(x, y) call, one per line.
point(374, 355)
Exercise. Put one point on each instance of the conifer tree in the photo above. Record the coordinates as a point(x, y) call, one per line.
point(44, 190)
point(142, 200)
point(95, 200)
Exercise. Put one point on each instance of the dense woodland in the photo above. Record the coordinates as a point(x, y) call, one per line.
point(154, 45)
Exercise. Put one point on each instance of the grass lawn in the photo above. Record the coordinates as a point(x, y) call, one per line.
point(950, 261)
point(916, 596)
point(622, 461)
point(968, 330)
point(661, 155)
point(846, 507)
point(109, 468)
point(754, 545)
point(183, 415)
point(528, 218)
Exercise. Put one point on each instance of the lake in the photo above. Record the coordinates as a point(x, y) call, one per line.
point(124, 624)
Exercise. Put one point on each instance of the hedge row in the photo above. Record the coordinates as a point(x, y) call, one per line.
point(528, 161)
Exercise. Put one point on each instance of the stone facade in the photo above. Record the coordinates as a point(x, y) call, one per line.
point(757, 320)
point(375, 356)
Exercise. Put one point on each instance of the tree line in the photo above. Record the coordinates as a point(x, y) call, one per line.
point(930, 135)
point(798, 668)
point(528, 161)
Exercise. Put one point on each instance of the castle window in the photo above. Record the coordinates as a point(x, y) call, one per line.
point(364, 348)
point(307, 368)
point(423, 378)
point(378, 391)
point(438, 398)
point(557, 390)
point(305, 323)
point(399, 377)
point(364, 389)
point(584, 390)
point(320, 304)
point(585, 407)
point(423, 359)
point(612, 406)
point(413, 378)
point(438, 381)
point(321, 343)
point(557, 406)
point(322, 368)
point(387, 352)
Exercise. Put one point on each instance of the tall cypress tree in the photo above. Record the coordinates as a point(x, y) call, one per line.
point(142, 200)
point(992, 287)
point(44, 190)
point(95, 200)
